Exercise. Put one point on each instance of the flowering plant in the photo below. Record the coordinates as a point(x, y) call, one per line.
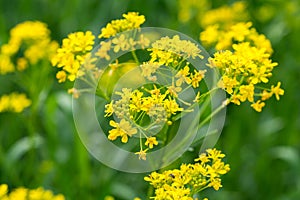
point(155, 85)
point(29, 47)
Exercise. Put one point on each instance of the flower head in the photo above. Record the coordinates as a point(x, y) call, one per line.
point(122, 129)
point(277, 90)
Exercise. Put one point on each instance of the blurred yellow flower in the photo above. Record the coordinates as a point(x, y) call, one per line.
point(31, 39)
point(14, 102)
point(28, 194)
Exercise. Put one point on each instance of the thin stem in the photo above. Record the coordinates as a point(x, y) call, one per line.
point(135, 57)
point(212, 115)
point(179, 115)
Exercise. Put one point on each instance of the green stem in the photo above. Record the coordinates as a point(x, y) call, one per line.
point(135, 57)
point(211, 115)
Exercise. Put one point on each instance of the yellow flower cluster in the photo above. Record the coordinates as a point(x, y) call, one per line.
point(76, 48)
point(132, 109)
point(244, 64)
point(226, 15)
point(132, 20)
point(141, 109)
point(189, 179)
point(205, 15)
point(34, 37)
point(222, 39)
point(14, 102)
point(27, 194)
point(168, 51)
point(123, 42)
point(72, 54)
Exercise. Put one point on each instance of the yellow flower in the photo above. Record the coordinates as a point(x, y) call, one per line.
point(74, 92)
point(109, 110)
point(172, 47)
point(210, 35)
point(173, 90)
point(73, 52)
point(247, 92)
point(214, 154)
point(171, 107)
point(149, 68)
point(183, 76)
point(6, 65)
point(28, 194)
point(132, 20)
point(3, 190)
point(277, 90)
point(225, 15)
point(197, 77)
point(121, 43)
point(182, 183)
point(142, 154)
point(143, 41)
point(240, 31)
point(228, 83)
point(61, 76)
point(265, 95)
point(136, 101)
point(29, 43)
point(109, 198)
point(151, 141)
point(21, 64)
point(122, 129)
point(14, 102)
point(258, 105)
point(103, 50)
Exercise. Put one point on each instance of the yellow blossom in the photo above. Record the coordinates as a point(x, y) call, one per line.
point(182, 183)
point(148, 69)
point(122, 129)
point(14, 102)
point(183, 76)
point(28, 194)
point(73, 52)
point(29, 43)
point(121, 43)
point(132, 20)
point(104, 49)
point(171, 106)
point(151, 141)
point(109, 110)
point(210, 35)
point(142, 154)
point(246, 93)
point(197, 77)
point(265, 95)
point(6, 65)
point(74, 92)
point(277, 90)
point(61, 76)
point(225, 15)
point(258, 105)
point(3, 190)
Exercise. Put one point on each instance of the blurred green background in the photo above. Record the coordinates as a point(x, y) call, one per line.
point(263, 149)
